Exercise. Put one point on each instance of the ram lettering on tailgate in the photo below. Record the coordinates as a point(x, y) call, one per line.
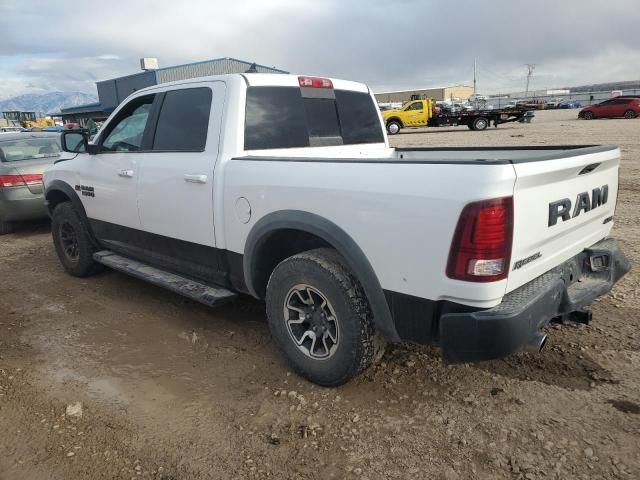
point(562, 208)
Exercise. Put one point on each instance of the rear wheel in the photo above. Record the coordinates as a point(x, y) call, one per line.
point(72, 242)
point(320, 317)
point(587, 115)
point(393, 127)
point(480, 123)
point(630, 114)
point(5, 227)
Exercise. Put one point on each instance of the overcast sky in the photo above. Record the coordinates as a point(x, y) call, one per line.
point(67, 45)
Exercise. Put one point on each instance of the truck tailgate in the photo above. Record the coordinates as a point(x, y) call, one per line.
point(561, 206)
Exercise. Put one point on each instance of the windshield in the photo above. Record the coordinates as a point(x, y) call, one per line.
point(29, 148)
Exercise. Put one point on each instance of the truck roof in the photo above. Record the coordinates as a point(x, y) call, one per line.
point(263, 79)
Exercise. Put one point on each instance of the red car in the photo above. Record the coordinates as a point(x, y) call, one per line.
point(627, 107)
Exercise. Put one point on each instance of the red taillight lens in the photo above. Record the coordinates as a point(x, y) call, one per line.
point(32, 179)
point(315, 82)
point(19, 180)
point(481, 246)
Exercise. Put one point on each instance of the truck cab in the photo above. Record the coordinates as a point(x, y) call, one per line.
point(414, 113)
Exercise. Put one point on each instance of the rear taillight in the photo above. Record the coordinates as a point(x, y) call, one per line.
point(20, 180)
point(315, 82)
point(481, 246)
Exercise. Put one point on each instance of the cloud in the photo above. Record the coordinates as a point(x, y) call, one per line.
point(398, 44)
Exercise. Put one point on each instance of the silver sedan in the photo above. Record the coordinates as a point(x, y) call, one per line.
point(23, 159)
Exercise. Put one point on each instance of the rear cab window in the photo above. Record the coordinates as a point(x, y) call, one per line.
point(291, 117)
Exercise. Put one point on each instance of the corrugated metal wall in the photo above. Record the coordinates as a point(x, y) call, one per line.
point(203, 69)
point(404, 96)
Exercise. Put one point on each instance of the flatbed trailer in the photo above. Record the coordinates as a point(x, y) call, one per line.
point(423, 113)
point(479, 120)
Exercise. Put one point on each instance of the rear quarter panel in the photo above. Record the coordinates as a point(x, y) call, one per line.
point(402, 215)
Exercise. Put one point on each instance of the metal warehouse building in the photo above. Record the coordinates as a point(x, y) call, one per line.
point(441, 93)
point(112, 92)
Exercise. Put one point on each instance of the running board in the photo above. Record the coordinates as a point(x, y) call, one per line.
point(192, 289)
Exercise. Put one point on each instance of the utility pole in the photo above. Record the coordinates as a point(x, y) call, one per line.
point(530, 68)
point(474, 74)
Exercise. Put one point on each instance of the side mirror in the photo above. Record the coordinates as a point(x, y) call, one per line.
point(74, 141)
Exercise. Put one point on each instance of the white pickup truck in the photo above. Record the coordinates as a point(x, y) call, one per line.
point(285, 188)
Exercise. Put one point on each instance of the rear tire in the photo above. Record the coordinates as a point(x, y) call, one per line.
point(72, 241)
point(320, 318)
point(480, 123)
point(630, 114)
point(5, 227)
point(393, 127)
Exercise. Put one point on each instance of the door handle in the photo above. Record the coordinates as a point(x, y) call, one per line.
point(195, 178)
point(125, 173)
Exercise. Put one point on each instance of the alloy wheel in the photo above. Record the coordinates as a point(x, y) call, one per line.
point(311, 322)
point(69, 241)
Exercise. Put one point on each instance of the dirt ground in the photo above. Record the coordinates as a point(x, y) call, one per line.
point(173, 390)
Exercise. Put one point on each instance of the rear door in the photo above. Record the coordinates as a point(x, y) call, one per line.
point(619, 106)
point(175, 185)
point(561, 206)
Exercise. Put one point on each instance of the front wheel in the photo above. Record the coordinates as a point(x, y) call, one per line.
point(320, 317)
point(72, 242)
point(587, 115)
point(393, 127)
point(630, 114)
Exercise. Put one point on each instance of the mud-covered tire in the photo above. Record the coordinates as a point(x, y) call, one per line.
point(5, 227)
point(72, 242)
point(325, 271)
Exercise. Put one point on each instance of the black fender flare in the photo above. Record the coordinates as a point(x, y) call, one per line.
point(338, 239)
point(69, 191)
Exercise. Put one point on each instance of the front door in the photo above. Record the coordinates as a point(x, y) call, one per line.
point(175, 185)
point(415, 114)
point(108, 179)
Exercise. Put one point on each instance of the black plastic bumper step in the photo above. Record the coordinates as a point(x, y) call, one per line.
point(212, 296)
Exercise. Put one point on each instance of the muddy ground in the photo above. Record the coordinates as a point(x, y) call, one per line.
point(173, 390)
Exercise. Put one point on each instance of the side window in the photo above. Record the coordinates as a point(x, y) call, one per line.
point(126, 132)
point(184, 120)
point(415, 106)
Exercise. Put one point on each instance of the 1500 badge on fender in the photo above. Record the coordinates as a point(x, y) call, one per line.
point(562, 208)
point(85, 190)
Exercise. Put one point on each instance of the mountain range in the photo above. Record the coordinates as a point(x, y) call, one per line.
point(46, 103)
